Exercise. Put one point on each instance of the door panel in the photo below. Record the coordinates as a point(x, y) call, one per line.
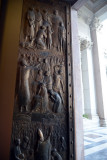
point(43, 111)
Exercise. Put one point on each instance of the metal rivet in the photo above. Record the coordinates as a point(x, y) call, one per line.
point(71, 129)
point(72, 155)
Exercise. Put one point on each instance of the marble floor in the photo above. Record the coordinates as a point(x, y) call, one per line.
point(95, 143)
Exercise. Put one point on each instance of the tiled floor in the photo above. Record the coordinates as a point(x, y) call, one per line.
point(95, 143)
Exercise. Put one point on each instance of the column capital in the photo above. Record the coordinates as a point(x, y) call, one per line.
point(96, 24)
point(85, 43)
point(105, 53)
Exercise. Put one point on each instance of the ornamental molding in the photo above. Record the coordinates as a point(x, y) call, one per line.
point(85, 43)
point(96, 24)
point(79, 14)
point(105, 53)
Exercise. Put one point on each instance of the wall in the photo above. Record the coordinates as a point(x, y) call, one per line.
point(8, 66)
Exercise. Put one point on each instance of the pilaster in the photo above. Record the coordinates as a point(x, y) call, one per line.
point(77, 87)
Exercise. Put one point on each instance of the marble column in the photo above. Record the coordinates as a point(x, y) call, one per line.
point(88, 80)
point(95, 26)
point(77, 88)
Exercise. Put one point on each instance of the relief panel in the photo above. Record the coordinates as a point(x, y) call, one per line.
point(41, 120)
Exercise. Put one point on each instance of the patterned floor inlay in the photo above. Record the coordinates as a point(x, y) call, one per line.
point(92, 136)
point(95, 144)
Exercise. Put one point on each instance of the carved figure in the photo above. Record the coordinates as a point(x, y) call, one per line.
point(24, 90)
point(31, 155)
point(55, 155)
point(48, 80)
point(44, 97)
point(25, 143)
point(56, 20)
point(25, 146)
point(30, 26)
point(49, 37)
point(39, 63)
point(62, 68)
point(61, 36)
point(58, 84)
point(17, 151)
point(46, 19)
point(45, 65)
point(57, 107)
point(39, 78)
point(52, 64)
point(38, 20)
point(41, 38)
point(43, 151)
point(31, 60)
point(63, 144)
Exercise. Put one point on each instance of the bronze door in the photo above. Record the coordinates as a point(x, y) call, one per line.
point(43, 111)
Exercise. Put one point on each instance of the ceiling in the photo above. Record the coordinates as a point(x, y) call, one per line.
point(95, 5)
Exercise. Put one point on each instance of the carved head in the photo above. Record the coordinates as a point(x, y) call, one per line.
point(43, 85)
point(62, 139)
point(56, 12)
point(47, 73)
point(61, 24)
point(31, 8)
point(17, 142)
point(40, 135)
point(43, 27)
point(39, 59)
point(26, 139)
point(53, 151)
point(51, 91)
point(40, 72)
point(45, 16)
point(45, 60)
point(37, 10)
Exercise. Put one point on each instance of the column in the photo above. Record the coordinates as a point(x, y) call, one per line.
point(88, 81)
point(95, 26)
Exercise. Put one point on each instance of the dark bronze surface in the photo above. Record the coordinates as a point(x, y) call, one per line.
point(43, 112)
point(71, 2)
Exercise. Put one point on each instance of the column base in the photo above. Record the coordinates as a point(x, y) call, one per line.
point(103, 122)
point(91, 123)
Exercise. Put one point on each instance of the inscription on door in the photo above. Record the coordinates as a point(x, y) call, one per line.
point(41, 120)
